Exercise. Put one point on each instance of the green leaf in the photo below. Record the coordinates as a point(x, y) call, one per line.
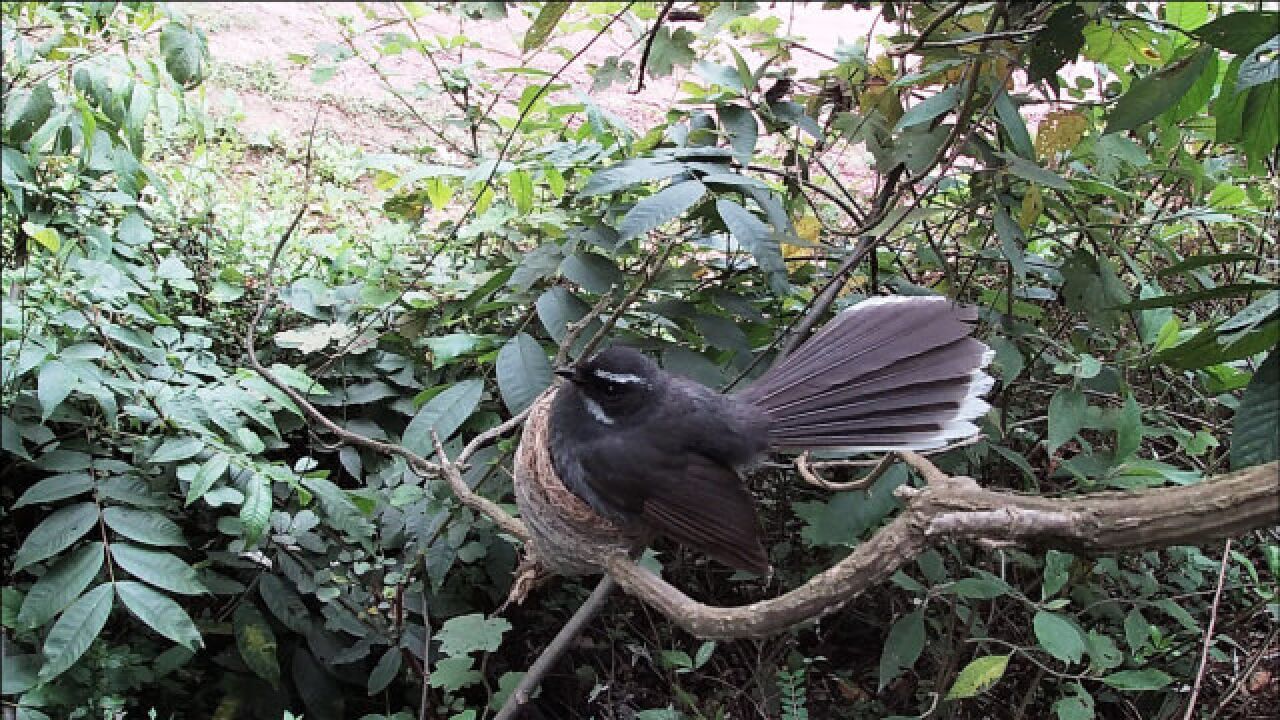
point(1059, 636)
point(445, 413)
point(929, 108)
point(160, 613)
point(446, 348)
point(56, 533)
point(540, 31)
point(53, 385)
point(75, 631)
point(629, 173)
point(1014, 127)
point(255, 512)
point(55, 487)
point(1148, 679)
point(980, 588)
point(451, 674)
point(162, 569)
point(385, 671)
point(979, 675)
point(1128, 424)
point(175, 449)
point(523, 372)
point(256, 642)
point(1075, 707)
point(1187, 15)
point(1255, 438)
point(757, 238)
point(61, 584)
point(209, 473)
point(18, 674)
point(1012, 241)
point(520, 185)
point(1033, 172)
point(25, 112)
point(185, 55)
point(1239, 32)
point(902, 648)
point(1067, 415)
point(739, 124)
point(1151, 95)
point(285, 603)
point(337, 505)
point(468, 633)
point(667, 204)
point(144, 526)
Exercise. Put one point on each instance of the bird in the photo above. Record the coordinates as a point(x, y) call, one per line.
point(659, 454)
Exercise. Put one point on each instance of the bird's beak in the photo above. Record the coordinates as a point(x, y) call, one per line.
point(568, 372)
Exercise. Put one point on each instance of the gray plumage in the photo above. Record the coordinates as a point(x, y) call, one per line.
point(657, 452)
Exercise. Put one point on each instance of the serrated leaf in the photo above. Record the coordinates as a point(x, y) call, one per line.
point(739, 124)
point(1057, 570)
point(56, 533)
point(1058, 636)
point(667, 204)
point(144, 526)
point(523, 372)
point(337, 505)
point(164, 570)
point(451, 674)
point(979, 675)
point(628, 174)
point(160, 613)
point(53, 384)
point(1255, 438)
point(468, 633)
point(385, 671)
point(255, 512)
point(285, 603)
point(1151, 95)
point(25, 112)
point(256, 642)
point(1067, 411)
point(55, 487)
point(75, 631)
point(540, 31)
point(757, 238)
point(902, 648)
point(444, 413)
point(61, 584)
point(175, 449)
point(209, 473)
point(185, 55)
point(1148, 679)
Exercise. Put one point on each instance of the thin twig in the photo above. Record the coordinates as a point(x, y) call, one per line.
point(648, 45)
point(933, 25)
point(548, 657)
point(862, 483)
point(1208, 631)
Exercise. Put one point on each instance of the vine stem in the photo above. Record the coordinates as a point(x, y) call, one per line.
point(1208, 631)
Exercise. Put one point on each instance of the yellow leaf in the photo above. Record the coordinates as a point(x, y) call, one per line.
point(1059, 131)
point(1032, 206)
point(808, 228)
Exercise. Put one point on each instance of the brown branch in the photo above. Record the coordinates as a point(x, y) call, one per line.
point(955, 508)
point(648, 46)
point(1208, 631)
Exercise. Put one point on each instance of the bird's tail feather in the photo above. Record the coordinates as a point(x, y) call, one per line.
point(887, 374)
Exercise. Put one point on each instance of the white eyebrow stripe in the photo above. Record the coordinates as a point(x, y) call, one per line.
point(596, 411)
point(626, 378)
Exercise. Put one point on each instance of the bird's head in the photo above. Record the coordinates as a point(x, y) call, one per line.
point(616, 384)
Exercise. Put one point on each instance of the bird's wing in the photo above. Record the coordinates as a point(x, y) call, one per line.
point(706, 507)
point(683, 495)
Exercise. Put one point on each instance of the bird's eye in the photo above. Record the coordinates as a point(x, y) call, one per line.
point(613, 389)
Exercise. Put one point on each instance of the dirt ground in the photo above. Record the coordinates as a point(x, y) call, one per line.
point(251, 44)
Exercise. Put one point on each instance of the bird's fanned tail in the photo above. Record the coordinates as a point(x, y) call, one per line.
point(888, 374)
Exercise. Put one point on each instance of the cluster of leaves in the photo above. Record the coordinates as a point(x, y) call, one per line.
point(177, 527)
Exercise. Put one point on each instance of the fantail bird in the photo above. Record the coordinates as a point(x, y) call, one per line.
point(664, 455)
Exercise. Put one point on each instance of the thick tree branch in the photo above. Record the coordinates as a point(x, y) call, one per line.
point(955, 508)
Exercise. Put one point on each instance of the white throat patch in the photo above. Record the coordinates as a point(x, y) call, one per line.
point(624, 378)
point(596, 411)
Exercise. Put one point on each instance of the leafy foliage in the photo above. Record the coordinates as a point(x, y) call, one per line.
point(1089, 174)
